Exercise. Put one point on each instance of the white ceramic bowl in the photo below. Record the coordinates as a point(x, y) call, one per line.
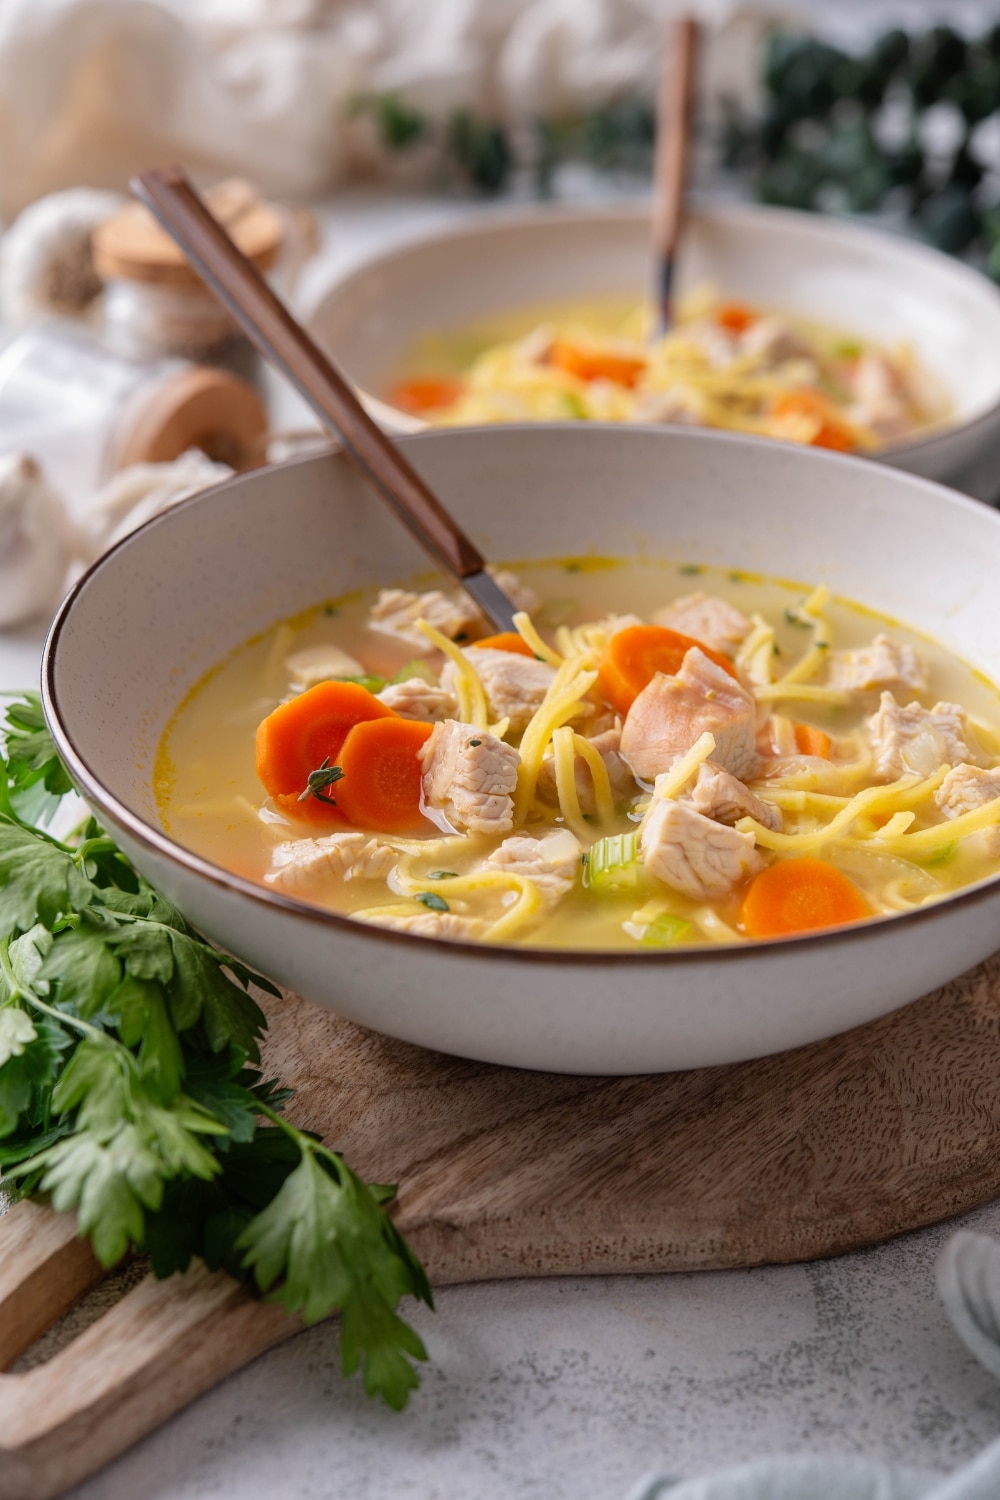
point(174, 597)
point(866, 281)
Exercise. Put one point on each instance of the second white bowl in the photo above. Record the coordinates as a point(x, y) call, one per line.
point(866, 281)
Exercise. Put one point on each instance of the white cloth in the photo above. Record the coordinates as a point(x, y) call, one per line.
point(91, 90)
point(969, 1283)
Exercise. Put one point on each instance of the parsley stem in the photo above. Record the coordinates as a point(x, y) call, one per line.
point(100, 845)
point(18, 992)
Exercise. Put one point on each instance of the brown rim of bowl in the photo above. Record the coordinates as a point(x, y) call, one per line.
point(634, 208)
point(92, 789)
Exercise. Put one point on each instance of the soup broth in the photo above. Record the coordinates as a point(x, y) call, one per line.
point(723, 364)
point(734, 758)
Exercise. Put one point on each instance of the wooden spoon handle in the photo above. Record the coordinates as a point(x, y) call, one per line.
point(673, 121)
point(168, 195)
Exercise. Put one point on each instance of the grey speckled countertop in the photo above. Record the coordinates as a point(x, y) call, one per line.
point(573, 1389)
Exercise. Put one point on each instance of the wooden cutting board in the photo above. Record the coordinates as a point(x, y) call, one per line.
point(506, 1173)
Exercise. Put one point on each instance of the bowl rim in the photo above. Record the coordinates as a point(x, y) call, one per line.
point(487, 221)
point(159, 842)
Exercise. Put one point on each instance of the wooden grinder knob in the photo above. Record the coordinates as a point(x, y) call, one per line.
point(197, 408)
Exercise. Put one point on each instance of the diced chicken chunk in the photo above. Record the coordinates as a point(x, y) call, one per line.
point(879, 401)
point(438, 924)
point(771, 342)
point(677, 403)
point(514, 685)
point(396, 611)
point(469, 777)
point(671, 713)
point(694, 854)
point(553, 861)
point(883, 664)
point(963, 790)
point(417, 699)
point(519, 593)
point(300, 864)
point(319, 664)
point(717, 347)
point(885, 417)
point(967, 787)
point(873, 377)
point(718, 794)
point(707, 619)
point(918, 740)
point(607, 743)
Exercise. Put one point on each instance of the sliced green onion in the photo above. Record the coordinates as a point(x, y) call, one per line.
point(433, 901)
point(613, 864)
point(666, 931)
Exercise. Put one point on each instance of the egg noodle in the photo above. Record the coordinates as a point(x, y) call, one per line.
point(585, 794)
point(723, 365)
point(875, 822)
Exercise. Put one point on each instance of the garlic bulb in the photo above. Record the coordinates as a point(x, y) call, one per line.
point(37, 540)
point(46, 257)
point(143, 490)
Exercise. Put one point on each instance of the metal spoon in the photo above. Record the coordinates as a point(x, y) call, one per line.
point(283, 341)
point(673, 128)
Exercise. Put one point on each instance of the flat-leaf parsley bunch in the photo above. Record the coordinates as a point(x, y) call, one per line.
point(130, 1091)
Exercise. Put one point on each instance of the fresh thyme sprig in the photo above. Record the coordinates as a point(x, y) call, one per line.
point(129, 1090)
point(317, 781)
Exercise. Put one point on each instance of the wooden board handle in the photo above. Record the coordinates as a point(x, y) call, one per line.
point(157, 1349)
point(44, 1270)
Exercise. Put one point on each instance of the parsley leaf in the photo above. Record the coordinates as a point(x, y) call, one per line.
point(306, 1246)
point(128, 1095)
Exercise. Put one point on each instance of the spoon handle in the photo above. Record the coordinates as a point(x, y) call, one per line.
point(238, 284)
point(673, 126)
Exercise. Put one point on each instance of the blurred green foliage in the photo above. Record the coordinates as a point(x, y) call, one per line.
point(836, 131)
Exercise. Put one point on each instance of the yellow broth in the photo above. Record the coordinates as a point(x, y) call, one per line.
point(504, 368)
point(211, 801)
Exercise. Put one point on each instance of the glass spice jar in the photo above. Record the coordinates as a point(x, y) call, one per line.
point(155, 306)
point(84, 411)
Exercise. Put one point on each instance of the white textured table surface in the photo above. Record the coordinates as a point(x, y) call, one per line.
point(572, 1389)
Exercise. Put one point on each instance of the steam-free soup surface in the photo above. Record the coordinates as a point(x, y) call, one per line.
point(669, 755)
point(723, 364)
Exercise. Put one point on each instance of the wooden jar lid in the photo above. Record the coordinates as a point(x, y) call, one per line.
point(197, 408)
point(132, 246)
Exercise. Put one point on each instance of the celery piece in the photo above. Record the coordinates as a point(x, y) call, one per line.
point(613, 864)
point(370, 681)
point(667, 931)
point(415, 668)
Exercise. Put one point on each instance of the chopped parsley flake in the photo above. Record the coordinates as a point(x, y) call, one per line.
point(433, 901)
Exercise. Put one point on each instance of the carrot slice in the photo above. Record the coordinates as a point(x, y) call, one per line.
point(507, 640)
point(829, 432)
point(300, 735)
point(425, 393)
point(381, 783)
point(812, 741)
point(595, 364)
point(800, 895)
point(735, 317)
point(633, 657)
